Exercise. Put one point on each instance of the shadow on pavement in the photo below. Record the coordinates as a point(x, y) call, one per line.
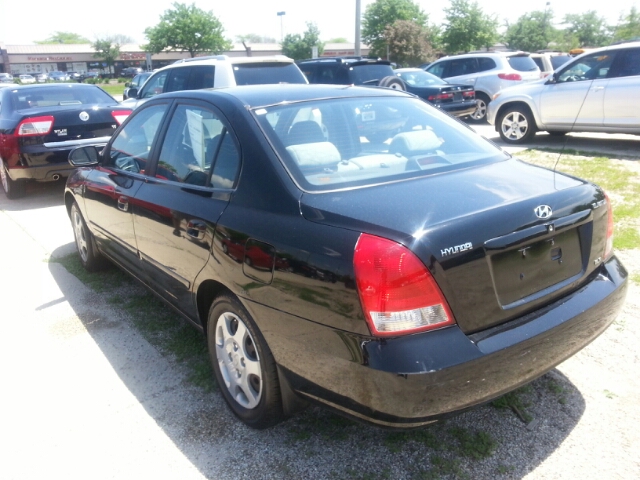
point(506, 439)
point(39, 195)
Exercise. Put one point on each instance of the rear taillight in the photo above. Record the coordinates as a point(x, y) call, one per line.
point(120, 115)
point(35, 126)
point(510, 76)
point(469, 94)
point(440, 96)
point(397, 292)
point(608, 248)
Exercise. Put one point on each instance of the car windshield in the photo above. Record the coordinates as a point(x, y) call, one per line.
point(420, 78)
point(59, 96)
point(267, 73)
point(522, 63)
point(369, 74)
point(342, 143)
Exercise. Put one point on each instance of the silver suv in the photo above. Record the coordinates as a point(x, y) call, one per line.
point(595, 92)
point(216, 71)
point(488, 72)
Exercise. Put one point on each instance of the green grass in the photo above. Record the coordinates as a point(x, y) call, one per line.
point(514, 402)
point(113, 89)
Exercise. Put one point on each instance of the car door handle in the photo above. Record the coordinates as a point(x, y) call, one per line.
point(595, 89)
point(123, 203)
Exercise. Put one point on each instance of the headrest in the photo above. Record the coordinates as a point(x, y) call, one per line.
point(318, 154)
point(415, 143)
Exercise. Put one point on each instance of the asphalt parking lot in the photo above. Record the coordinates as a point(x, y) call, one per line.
point(86, 396)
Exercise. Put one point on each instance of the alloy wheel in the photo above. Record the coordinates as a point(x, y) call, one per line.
point(80, 234)
point(238, 360)
point(514, 126)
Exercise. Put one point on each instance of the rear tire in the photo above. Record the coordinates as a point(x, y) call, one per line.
point(480, 113)
point(516, 125)
point(90, 258)
point(392, 82)
point(12, 188)
point(244, 367)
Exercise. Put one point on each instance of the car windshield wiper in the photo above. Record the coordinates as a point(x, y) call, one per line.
point(375, 80)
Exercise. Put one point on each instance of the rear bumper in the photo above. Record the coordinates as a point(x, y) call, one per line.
point(410, 381)
point(462, 109)
point(50, 160)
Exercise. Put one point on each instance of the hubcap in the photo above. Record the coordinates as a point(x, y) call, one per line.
point(514, 126)
point(3, 175)
point(238, 360)
point(480, 111)
point(80, 234)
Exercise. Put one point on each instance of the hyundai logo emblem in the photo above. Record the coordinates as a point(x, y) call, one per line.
point(84, 116)
point(543, 211)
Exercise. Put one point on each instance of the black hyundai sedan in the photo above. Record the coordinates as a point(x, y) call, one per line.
point(394, 281)
point(41, 124)
point(457, 100)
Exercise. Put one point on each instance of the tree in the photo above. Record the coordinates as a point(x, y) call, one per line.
point(108, 50)
point(409, 43)
point(467, 27)
point(338, 40)
point(187, 28)
point(255, 38)
point(121, 39)
point(628, 27)
point(64, 37)
point(589, 29)
point(299, 46)
point(533, 31)
point(382, 13)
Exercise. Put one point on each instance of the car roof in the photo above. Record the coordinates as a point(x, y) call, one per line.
point(253, 96)
point(36, 86)
point(213, 60)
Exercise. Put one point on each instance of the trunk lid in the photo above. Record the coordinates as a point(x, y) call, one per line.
point(478, 232)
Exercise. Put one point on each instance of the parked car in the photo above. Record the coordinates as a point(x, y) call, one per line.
point(40, 124)
point(393, 281)
point(595, 92)
point(136, 84)
point(42, 77)
point(458, 100)
point(351, 71)
point(26, 79)
point(6, 78)
point(549, 61)
point(130, 72)
point(87, 75)
point(216, 71)
point(58, 76)
point(487, 72)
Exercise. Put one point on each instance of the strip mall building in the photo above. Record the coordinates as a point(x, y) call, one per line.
point(20, 59)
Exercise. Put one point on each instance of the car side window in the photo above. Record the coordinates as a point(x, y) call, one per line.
point(197, 144)
point(485, 64)
point(154, 85)
point(590, 67)
point(178, 79)
point(438, 69)
point(202, 76)
point(131, 146)
point(627, 63)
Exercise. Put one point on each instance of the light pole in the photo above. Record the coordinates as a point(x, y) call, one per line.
point(357, 43)
point(281, 14)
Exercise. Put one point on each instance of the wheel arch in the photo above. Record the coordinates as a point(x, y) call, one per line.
point(207, 292)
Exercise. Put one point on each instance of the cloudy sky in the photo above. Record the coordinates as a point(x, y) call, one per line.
point(23, 22)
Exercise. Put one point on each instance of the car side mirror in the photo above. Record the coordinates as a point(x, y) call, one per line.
point(553, 78)
point(84, 156)
point(128, 84)
point(133, 92)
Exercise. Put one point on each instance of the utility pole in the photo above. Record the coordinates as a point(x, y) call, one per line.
point(281, 14)
point(357, 44)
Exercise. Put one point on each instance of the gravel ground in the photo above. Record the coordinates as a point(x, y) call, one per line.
point(86, 396)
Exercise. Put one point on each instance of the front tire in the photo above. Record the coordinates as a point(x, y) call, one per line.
point(12, 188)
point(516, 125)
point(480, 113)
point(243, 364)
point(90, 258)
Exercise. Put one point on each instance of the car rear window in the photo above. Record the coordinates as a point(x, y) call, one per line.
point(369, 74)
point(59, 95)
point(344, 143)
point(522, 63)
point(267, 73)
